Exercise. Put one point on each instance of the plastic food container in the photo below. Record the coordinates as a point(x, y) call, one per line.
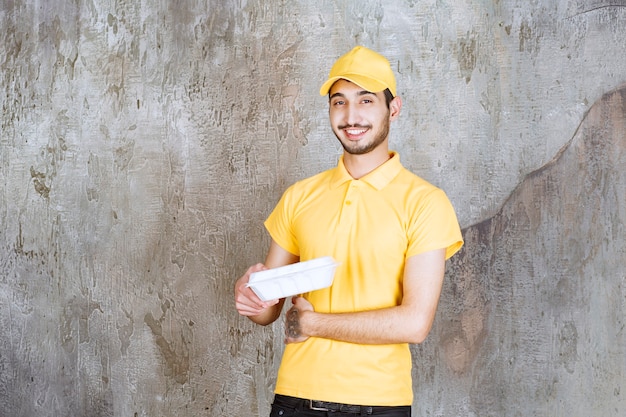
point(293, 279)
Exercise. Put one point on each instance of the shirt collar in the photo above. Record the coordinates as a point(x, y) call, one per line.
point(378, 178)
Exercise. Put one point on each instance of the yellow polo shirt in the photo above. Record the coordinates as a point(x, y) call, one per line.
point(370, 226)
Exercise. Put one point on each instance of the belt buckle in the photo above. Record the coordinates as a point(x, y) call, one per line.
point(316, 408)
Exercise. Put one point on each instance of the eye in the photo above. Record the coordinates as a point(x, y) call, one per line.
point(338, 103)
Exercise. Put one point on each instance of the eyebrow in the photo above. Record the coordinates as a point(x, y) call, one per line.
point(360, 93)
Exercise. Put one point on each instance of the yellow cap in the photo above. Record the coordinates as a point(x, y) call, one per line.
point(365, 68)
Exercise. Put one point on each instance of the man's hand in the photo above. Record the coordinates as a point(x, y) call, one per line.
point(246, 301)
point(293, 320)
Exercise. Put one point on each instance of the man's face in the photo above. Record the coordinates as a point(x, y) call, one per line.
point(360, 119)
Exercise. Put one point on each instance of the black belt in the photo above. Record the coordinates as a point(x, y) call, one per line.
point(314, 405)
point(338, 407)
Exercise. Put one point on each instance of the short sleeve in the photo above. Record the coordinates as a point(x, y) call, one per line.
point(434, 225)
point(279, 225)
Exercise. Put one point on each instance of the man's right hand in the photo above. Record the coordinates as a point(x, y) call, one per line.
point(246, 301)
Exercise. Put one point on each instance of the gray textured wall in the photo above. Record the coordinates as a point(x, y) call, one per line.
point(143, 143)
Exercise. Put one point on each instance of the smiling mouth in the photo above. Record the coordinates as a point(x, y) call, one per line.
point(354, 131)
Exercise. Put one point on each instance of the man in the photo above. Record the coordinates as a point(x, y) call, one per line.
point(347, 345)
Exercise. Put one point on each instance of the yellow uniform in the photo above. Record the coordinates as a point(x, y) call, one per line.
point(370, 226)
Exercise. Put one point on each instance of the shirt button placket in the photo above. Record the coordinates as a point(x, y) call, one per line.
point(347, 218)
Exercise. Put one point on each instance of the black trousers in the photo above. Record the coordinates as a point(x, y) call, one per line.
point(284, 406)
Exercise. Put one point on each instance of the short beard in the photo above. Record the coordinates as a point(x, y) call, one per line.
point(378, 139)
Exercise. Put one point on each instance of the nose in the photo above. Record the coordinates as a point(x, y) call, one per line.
point(353, 116)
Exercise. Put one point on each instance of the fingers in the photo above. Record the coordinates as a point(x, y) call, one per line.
point(247, 302)
point(251, 305)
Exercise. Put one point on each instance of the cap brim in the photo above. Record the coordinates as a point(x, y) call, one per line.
point(366, 83)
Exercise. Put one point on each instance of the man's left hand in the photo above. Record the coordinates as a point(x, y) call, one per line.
point(293, 320)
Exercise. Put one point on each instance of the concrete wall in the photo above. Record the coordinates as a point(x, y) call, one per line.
point(143, 143)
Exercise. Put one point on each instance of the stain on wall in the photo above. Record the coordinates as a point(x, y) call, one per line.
point(533, 312)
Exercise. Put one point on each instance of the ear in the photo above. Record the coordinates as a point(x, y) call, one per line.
point(394, 108)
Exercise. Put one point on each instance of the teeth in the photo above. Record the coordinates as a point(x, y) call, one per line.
point(355, 132)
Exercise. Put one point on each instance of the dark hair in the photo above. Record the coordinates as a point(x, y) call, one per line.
point(388, 96)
